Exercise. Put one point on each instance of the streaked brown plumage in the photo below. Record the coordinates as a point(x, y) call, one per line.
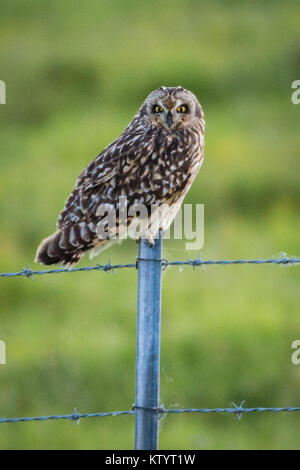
point(154, 161)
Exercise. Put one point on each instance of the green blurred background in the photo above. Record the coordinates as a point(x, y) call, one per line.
point(76, 72)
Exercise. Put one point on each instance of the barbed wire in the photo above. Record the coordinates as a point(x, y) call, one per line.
point(75, 416)
point(29, 273)
point(238, 410)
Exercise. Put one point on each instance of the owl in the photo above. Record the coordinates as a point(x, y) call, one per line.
point(152, 164)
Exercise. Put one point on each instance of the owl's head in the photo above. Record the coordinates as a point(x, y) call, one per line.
point(171, 107)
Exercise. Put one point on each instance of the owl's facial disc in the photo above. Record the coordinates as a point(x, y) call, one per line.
point(171, 107)
point(170, 113)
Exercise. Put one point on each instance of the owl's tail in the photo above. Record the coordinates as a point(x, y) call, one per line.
point(64, 248)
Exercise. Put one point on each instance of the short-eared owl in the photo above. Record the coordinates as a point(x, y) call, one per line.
point(152, 163)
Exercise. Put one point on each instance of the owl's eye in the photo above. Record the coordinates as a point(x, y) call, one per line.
point(157, 109)
point(182, 108)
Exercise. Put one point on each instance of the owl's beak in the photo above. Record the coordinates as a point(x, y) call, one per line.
point(169, 119)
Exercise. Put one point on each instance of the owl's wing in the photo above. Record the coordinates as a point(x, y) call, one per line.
point(100, 183)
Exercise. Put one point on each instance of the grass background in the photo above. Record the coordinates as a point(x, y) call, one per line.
point(75, 73)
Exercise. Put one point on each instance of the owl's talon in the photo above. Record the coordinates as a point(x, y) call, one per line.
point(150, 240)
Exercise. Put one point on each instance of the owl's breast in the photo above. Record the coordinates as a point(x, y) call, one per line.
point(172, 164)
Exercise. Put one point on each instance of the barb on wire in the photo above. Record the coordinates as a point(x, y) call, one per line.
point(75, 416)
point(29, 273)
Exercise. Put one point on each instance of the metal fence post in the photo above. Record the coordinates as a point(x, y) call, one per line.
point(148, 345)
